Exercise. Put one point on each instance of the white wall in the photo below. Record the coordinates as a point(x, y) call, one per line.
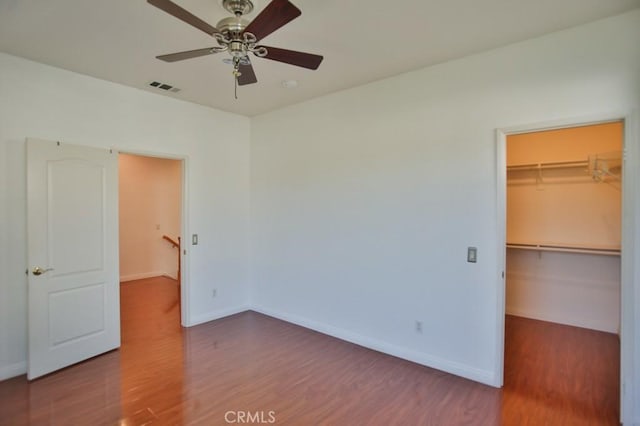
point(44, 102)
point(150, 196)
point(364, 201)
point(582, 290)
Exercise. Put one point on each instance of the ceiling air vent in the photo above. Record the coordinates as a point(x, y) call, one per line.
point(164, 86)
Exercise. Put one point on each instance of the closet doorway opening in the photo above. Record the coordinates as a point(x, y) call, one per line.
point(150, 220)
point(563, 267)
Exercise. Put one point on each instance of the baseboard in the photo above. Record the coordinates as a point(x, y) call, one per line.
point(582, 323)
point(13, 370)
point(212, 316)
point(144, 275)
point(168, 275)
point(456, 368)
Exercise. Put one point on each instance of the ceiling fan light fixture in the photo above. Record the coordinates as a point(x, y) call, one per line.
point(237, 49)
point(243, 61)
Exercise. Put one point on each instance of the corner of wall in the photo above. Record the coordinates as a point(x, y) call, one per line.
point(215, 315)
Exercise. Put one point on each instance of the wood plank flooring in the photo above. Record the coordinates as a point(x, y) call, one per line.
point(560, 375)
point(254, 368)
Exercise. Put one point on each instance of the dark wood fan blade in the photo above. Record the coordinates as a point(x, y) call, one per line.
point(180, 13)
point(180, 56)
point(275, 15)
point(301, 59)
point(247, 75)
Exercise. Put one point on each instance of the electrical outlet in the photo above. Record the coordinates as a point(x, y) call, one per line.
point(418, 326)
point(214, 293)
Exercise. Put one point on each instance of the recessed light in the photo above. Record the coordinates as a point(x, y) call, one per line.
point(289, 84)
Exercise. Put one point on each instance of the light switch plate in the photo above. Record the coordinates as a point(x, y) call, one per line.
point(472, 254)
point(194, 239)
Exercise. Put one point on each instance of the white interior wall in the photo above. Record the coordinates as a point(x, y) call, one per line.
point(48, 103)
point(150, 196)
point(364, 201)
point(582, 290)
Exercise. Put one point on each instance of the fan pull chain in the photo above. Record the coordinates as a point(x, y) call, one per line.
point(236, 74)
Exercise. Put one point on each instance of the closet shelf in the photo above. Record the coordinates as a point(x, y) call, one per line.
point(601, 167)
point(606, 251)
point(549, 165)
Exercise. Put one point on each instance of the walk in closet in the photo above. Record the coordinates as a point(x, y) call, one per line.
point(564, 226)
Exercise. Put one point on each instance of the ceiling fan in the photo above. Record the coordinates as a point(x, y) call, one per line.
point(240, 37)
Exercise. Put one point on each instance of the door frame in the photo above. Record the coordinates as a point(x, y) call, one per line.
point(628, 253)
point(185, 301)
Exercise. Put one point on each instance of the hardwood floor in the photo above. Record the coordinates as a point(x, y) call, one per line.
point(560, 375)
point(254, 368)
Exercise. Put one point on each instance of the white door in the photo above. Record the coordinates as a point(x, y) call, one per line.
point(72, 227)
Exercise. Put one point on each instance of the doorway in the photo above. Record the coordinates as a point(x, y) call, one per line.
point(563, 222)
point(150, 222)
point(564, 226)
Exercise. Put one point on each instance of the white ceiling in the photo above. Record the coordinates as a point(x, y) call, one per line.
point(362, 41)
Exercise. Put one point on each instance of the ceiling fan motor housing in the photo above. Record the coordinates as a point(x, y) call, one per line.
point(232, 25)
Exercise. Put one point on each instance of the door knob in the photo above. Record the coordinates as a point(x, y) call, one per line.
point(39, 271)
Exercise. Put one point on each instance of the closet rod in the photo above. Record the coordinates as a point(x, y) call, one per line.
point(565, 249)
point(550, 165)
